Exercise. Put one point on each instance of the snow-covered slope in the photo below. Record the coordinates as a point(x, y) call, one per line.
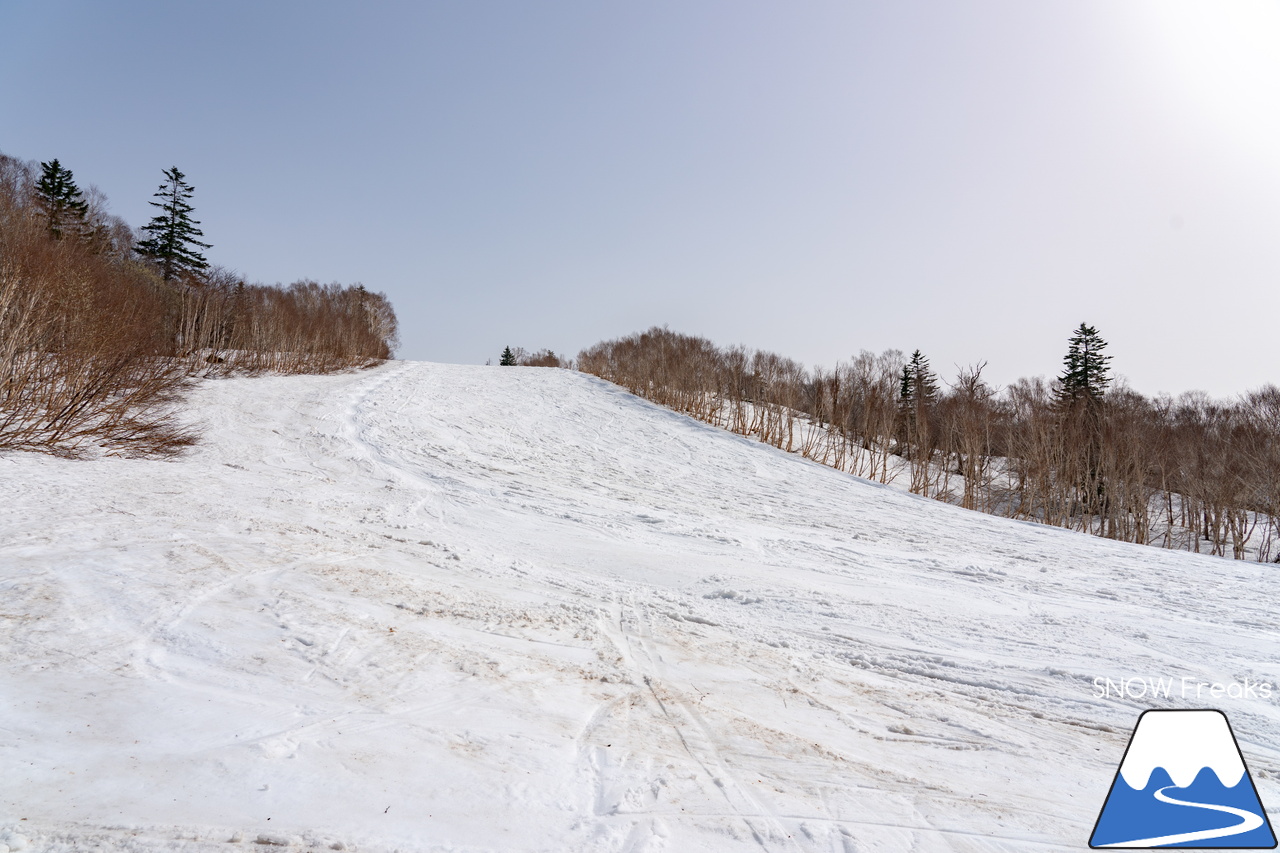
point(432, 607)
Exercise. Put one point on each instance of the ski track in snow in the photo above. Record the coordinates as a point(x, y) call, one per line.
point(431, 607)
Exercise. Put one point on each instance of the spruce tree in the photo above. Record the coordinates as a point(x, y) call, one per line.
point(60, 201)
point(1082, 384)
point(918, 389)
point(1086, 374)
point(508, 358)
point(174, 245)
point(919, 385)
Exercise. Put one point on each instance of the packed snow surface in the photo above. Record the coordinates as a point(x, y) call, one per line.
point(431, 607)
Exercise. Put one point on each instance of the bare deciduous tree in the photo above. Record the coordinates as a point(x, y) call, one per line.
point(1189, 473)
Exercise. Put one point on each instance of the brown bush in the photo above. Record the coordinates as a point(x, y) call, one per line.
point(224, 326)
point(541, 358)
point(82, 359)
point(1191, 473)
point(95, 349)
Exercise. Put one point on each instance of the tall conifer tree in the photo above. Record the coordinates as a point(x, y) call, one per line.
point(918, 390)
point(1086, 374)
point(919, 385)
point(60, 201)
point(1083, 383)
point(174, 245)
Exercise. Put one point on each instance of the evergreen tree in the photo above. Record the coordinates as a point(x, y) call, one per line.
point(918, 389)
point(1086, 372)
point(60, 201)
point(508, 358)
point(906, 388)
point(1082, 384)
point(173, 244)
point(919, 385)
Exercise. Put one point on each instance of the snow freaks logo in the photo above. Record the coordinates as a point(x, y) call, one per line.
point(1187, 688)
point(1183, 783)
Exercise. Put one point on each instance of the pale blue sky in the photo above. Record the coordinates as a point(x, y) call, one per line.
point(973, 179)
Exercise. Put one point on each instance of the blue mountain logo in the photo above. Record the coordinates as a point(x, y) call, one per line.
point(1183, 783)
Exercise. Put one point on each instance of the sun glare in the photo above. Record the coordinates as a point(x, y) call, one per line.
point(1224, 61)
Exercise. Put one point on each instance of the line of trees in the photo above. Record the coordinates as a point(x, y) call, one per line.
point(102, 328)
point(520, 357)
point(1186, 473)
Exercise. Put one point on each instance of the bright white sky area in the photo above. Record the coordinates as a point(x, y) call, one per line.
point(972, 179)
